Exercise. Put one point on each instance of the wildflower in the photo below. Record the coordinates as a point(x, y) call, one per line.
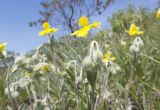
point(19, 61)
point(137, 45)
point(114, 68)
point(22, 85)
point(3, 49)
point(93, 55)
point(15, 94)
point(24, 81)
point(6, 90)
point(134, 30)
point(85, 27)
point(95, 51)
point(138, 41)
point(44, 67)
point(47, 29)
point(87, 61)
point(11, 89)
point(108, 57)
point(158, 13)
point(134, 49)
point(83, 21)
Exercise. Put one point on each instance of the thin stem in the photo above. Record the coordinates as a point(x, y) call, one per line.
point(27, 90)
point(51, 46)
point(92, 95)
point(9, 92)
point(48, 86)
point(130, 81)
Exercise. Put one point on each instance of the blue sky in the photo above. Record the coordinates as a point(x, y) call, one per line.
point(15, 15)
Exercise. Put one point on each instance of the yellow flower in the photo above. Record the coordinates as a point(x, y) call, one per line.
point(3, 52)
point(158, 13)
point(108, 57)
point(134, 30)
point(47, 29)
point(95, 25)
point(83, 21)
point(3, 47)
point(85, 27)
point(83, 32)
point(44, 67)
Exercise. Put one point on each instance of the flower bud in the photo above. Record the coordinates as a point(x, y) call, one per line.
point(138, 42)
point(15, 94)
point(134, 49)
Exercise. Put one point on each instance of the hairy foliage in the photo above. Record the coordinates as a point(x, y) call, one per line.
point(67, 94)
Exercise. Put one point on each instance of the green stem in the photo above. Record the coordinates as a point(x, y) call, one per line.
point(130, 81)
point(51, 43)
point(92, 95)
point(9, 92)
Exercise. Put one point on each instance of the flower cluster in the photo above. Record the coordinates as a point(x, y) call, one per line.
point(13, 87)
point(108, 58)
point(94, 54)
point(82, 32)
point(44, 67)
point(137, 45)
point(42, 63)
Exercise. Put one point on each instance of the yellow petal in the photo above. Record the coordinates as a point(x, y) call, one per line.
point(83, 32)
point(47, 31)
point(45, 68)
point(75, 33)
point(42, 33)
point(107, 55)
point(113, 58)
point(104, 60)
point(3, 47)
point(45, 25)
point(133, 27)
point(132, 33)
point(158, 13)
point(52, 30)
point(83, 21)
point(140, 32)
point(95, 25)
point(134, 30)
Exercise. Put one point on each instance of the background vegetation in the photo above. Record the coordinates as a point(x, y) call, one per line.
point(66, 94)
